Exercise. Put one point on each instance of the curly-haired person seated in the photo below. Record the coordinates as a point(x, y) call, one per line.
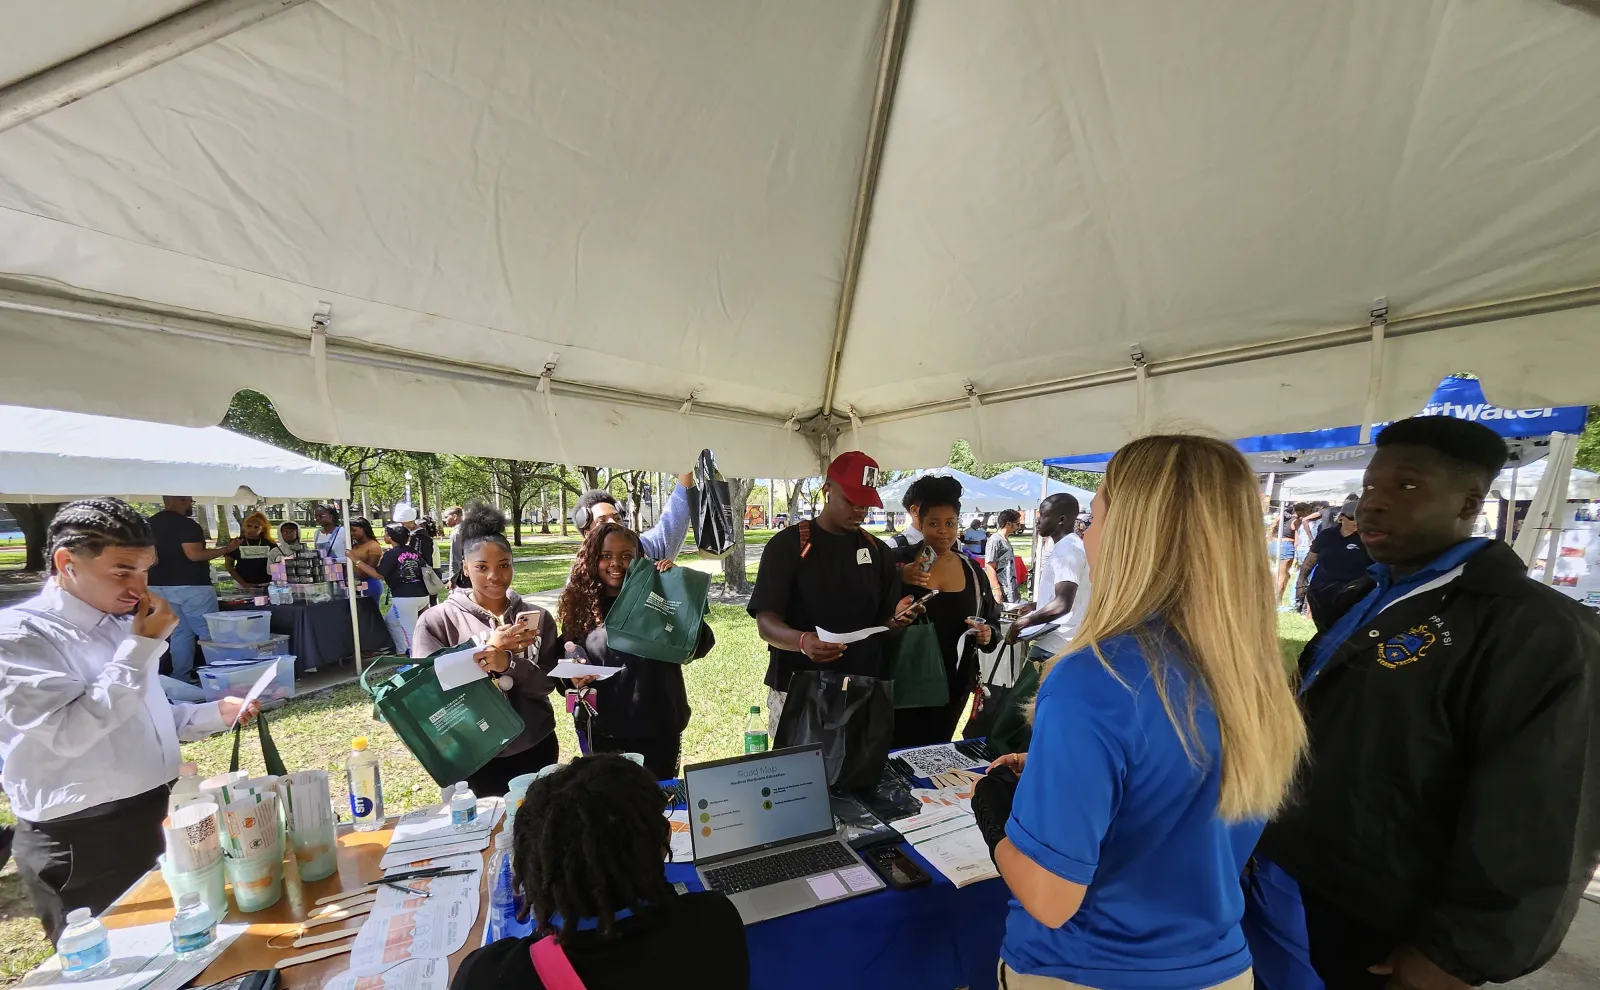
point(590, 841)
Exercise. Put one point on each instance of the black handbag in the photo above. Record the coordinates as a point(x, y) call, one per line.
point(711, 509)
point(850, 715)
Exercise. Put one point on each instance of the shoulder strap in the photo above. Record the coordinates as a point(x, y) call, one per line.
point(554, 968)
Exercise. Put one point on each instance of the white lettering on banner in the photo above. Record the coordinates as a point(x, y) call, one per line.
point(1483, 411)
point(665, 606)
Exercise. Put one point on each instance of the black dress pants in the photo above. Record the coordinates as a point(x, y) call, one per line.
point(90, 858)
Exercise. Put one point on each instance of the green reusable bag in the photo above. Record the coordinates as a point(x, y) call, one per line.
point(269, 749)
point(917, 667)
point(658, 615)
point(453, 733)
point(1012, 730)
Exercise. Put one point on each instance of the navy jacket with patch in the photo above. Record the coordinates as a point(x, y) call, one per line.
point(1452, 798)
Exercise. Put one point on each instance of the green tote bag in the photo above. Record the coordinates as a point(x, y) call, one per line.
point(658, 615)
point(453, 733)
point(917, 666)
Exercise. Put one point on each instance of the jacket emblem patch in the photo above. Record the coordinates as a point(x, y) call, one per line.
point(1408, 647)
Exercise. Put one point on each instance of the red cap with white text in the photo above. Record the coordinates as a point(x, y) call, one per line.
point(856, 474)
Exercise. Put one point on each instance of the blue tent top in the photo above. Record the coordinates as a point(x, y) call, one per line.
point(1026, 483)
point(1341, 446)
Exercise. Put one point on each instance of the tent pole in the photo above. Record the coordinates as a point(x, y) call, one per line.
point(1511, 520)
point(131, 54)
point(350, 584)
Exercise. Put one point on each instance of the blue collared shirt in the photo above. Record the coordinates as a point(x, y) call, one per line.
point(1443, 570)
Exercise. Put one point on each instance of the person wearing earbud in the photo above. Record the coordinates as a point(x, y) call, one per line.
point(89, 741)
point(663, 541)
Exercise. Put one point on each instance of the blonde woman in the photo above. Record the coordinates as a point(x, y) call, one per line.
point(1161, 742)
point(248, 564)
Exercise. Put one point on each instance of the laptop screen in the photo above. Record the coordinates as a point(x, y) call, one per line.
point(758, 801)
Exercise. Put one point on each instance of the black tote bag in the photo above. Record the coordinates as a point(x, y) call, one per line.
point(711, 509)
point(850, 715)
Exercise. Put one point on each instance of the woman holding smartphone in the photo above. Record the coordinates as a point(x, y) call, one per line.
point(960, 604)
point(1162, 741)
point(644, 708)
point(517, 644)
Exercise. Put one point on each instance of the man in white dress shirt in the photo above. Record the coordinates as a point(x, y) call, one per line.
point(89, 740)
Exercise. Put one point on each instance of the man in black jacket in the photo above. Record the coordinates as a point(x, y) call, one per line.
point(1447, 821)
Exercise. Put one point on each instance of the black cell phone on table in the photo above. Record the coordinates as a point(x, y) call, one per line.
point(897, 869)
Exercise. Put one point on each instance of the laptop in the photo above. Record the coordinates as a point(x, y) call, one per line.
point(764, 834)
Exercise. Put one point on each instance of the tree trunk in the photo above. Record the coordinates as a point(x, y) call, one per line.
point(223, 535)
point(733, 573)
point(591, 478)
point(34, 521)
point(562, 493)
point(516, 515)
point(422, 490)
point(544, 510)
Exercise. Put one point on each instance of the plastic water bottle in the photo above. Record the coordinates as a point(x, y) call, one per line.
point(366, 786)
point(187, 788)
point(502, 895)
point(194, 927)
point(85, 947)
point(463, 805)
point(755, 732)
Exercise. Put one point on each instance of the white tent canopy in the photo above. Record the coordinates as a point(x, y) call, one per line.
point(48, 456)
point(1026, 483)
point(977, 495)
point(1333, 485)
point(621, 232)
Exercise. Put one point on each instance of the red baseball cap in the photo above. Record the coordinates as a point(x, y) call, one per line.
point(856, 474)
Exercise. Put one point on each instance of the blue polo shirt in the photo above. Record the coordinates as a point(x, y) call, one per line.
point(1386, 593)
point(1111, 800)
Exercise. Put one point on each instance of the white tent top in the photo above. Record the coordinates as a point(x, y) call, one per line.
point(48, 456)
point(625, 231)
point(1333, 485)
point(977, 495)
point(1026, 483)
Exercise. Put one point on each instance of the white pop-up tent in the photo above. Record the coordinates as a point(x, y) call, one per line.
point(1332, 485)
point(621, 232)
point(50, 456)
point(977, 495)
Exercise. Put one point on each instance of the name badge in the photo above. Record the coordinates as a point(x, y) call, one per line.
point(863, 556)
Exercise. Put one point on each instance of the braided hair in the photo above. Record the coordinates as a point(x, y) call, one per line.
point(480, 523)
point(580, 600)
point(90, 525)
point(588, 842)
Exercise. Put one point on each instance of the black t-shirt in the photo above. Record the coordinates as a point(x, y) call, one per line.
point(250, 560)
point(1340, 558)
point(647, 951)
point(647, 698)
point(846, 582)
point(173, 568)
point(401, 568)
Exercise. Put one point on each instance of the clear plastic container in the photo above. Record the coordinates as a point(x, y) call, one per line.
point(220, 680)
point(463, 805)
point(272, 646)
point(194, 927)
point(186, 790)
point(365, 782)
point(239, 627)
point(84, 946)
point(502, 892)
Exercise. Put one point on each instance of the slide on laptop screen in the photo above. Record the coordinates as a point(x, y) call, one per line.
point(751, 804)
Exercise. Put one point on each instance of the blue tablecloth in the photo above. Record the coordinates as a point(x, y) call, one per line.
point(932, 938)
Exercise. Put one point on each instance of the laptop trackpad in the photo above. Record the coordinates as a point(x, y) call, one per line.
point(781, 898)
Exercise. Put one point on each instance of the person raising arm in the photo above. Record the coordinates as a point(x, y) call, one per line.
point(664, 540)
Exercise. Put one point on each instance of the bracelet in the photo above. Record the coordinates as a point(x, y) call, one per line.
point(803, 645)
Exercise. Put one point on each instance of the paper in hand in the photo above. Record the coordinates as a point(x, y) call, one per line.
point(849, 637)
point(267, 677)
point(458, 667)
point(568, 669)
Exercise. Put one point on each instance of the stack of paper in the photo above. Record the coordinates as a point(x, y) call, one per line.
point(428, 833)
point(949, 839)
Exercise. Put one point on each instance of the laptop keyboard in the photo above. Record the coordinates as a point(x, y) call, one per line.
point(768, 870)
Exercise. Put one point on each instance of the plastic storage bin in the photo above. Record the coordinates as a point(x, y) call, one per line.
point(239, 627)
point(219, 681)
point(272, 646)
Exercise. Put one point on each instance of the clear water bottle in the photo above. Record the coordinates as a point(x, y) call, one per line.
point(194, 927)
point(463, 805)
point(84, 946)
point(187, 788)
point(755, 732)
point(502, 891)
point(366, 786)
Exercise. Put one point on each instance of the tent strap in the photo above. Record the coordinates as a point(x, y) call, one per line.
point(350, 584)
point(1380, 326)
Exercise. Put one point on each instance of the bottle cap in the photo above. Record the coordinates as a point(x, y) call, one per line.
point(755, 709)
point(188, 900)
point(78, 916)
point(359, 743)
point(461, 785)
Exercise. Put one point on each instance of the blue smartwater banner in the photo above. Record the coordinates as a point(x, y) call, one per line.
point(1341, 446)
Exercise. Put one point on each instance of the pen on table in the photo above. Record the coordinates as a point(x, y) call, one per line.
point(409, 890)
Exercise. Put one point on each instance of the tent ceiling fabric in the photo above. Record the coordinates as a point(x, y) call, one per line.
point(658, 197)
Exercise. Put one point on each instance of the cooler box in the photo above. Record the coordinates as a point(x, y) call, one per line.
point(219, 681)
point(271, 646)
point(239, 628)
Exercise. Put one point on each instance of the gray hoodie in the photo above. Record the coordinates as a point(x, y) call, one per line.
point(459, 620)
